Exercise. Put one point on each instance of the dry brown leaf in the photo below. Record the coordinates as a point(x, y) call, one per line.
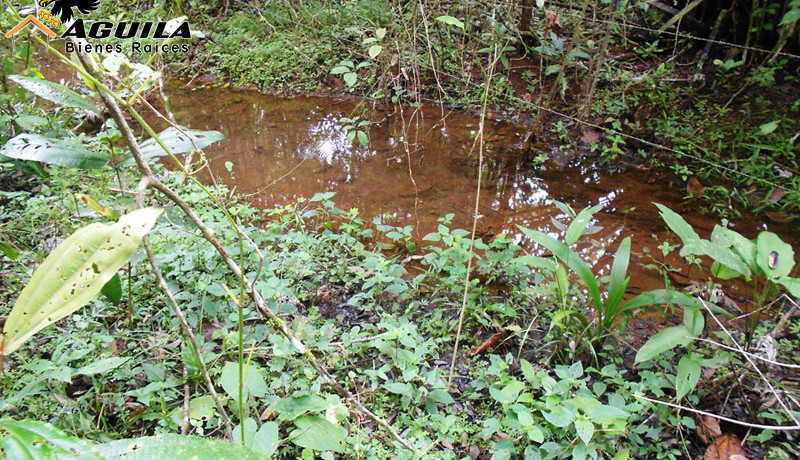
point(725, 447)
point(591, 137)
point(694, 187)
point(488, 342)
point(551, 18)
point(777, 194)
point(708, 428)
point(778, 217)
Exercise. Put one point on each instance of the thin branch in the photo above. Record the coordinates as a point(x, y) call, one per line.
point(766, 360)
point(720, 417)
point(187, 329)
point(753, 364)
point(474, 217)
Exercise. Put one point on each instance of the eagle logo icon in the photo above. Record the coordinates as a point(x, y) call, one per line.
point(63, 8)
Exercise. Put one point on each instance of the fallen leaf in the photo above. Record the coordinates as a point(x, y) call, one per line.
point(778, 217)
point(777, 194)
point(474, 452)
point(551, 18)
point(591, 137)
point(695, 188)
point(725, 447)
point(488, 342)
point(708, 428)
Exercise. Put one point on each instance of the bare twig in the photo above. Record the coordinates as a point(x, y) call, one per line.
point(753, 364)
point(186, 401)
point(476, 210)
point(720, 417)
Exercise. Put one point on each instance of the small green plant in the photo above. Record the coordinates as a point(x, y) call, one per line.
point(354, 128)
point(767, 261)
point(610, 312)
point(725, 67)
point(349, 71)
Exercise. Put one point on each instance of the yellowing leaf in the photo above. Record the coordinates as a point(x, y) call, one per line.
point(73, 274)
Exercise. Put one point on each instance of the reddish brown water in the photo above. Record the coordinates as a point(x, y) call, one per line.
point(285, 148)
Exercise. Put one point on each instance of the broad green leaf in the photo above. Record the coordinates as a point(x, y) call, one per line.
point(254, 383)
point(524, 416)
point(173, 447)
point(694, 320)
point(74, 273)
point(688, 375)
point(294, 406)
point(774, 257)
point(9, 250)
point(560, 416)
point(441, 396)
point(179, 141)
point(317, 433)
point(200, 408)
point(54, 92)
point(266, 439)
point(579, 224)
point(102, 366)
point(340, 69)
point(725, 256)
point(503, 449)
point(790, 17)
point(400, 388)
point(723, 272)
point(528, 371)
point(533, 261)
point(571, 259)
point(31, 122)
point(450, 20)
point(551, 69)
point(350, 78)
point(63, 152)
point(618, 282)
point(607, 415)
point(791, 284)
point(112, 290)
point(507, 394)
point(768, 128)
point(745, 247)
point(250, 428)
point(34, 440)
point(374, 51)
point(585, 430)
point(667, 339)
point(677, 224)
point(362, 138)
point(623, 454)
point(660, 297)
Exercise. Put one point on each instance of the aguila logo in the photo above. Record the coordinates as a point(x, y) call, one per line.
point(62, 9)
point(61, 12)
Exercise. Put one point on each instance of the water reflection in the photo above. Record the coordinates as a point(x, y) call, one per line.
point(285, 148)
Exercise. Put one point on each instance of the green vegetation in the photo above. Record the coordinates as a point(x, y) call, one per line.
point(146, 312)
